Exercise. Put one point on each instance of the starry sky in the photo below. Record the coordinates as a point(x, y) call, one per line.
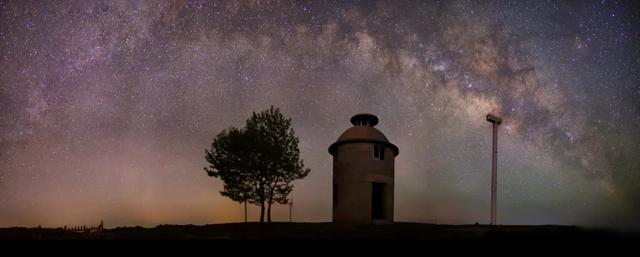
point(106, 107)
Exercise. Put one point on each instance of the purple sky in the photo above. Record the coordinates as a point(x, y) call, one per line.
point(106, 107)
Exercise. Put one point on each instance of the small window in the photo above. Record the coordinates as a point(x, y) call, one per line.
point(362, 123)
point(378, 152)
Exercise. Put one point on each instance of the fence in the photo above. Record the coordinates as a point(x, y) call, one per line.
point(85, 229)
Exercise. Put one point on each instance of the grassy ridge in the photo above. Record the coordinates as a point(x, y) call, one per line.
point(321, 231)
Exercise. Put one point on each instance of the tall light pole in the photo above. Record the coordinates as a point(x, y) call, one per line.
point(495, 120)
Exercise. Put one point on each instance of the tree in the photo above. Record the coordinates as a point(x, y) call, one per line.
point(259, 162)
point(229, 154)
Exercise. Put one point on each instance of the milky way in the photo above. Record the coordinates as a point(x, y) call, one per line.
point(106, 107)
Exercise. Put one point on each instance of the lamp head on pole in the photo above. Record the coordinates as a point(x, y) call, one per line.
point(494, 119)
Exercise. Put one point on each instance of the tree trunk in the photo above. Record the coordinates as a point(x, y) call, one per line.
point(262, 212)
point(270, 202)
point(269, 212)
point(245, 211)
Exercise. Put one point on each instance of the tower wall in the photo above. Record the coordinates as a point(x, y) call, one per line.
point(354, 172)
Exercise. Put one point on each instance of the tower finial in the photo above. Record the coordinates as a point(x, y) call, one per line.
point(364, 119)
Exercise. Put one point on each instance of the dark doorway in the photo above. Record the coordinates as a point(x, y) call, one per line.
point(377, 210)
point(335, 194)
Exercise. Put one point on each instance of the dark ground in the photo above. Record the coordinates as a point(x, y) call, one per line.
point(329, 231)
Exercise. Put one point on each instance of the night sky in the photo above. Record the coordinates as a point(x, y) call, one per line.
point(106, 107)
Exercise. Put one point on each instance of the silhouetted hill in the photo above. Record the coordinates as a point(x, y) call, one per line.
point(324, 231)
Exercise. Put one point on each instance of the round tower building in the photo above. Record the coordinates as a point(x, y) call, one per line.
point(363, 173)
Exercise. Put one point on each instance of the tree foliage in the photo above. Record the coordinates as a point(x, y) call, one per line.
point(258, 162)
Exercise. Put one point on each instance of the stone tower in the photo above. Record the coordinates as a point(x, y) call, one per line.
point(363, 173)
